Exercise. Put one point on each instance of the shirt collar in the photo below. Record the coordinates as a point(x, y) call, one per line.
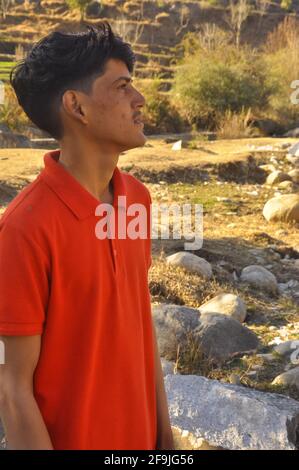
point(80, 201)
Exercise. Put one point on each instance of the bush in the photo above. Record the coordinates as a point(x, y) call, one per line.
point(208, 85)
point(11, 113)
point(235, 125)
point(282, 62)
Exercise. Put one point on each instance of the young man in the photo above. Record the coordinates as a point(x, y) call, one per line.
point(82, 368)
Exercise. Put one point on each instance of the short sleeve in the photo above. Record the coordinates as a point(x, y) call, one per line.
point(24, 283)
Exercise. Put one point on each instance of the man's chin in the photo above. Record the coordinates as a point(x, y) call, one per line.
point(138, 142)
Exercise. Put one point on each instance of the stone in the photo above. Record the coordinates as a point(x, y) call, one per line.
point(289, 185)
point(221, 337)
point(177, 145)
point(277, 177)
point(227, 304)
point(285, 348)
point(293, 159)
point(232, 416)
point(259, 277)
point(191, 262)
point(269, 168)
point(11, 140)
point(294, 174)
point(289, 378)
point(284, 208)
point(173, 324)
point(294, 149)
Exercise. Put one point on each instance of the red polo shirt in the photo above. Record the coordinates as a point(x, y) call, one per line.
point(89, 299)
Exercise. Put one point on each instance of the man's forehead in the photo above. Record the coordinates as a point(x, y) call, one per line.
point(114, 70)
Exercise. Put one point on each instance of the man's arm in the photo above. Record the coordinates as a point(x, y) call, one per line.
point(164, 433)
point(22, 420)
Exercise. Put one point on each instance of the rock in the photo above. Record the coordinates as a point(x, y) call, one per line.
point(294, 174)
point(11, 140)
point(289, 378)
point(191, 263)
point(269, 168)
point(178, 145)
point(289, 185)
point(294, 149)
point(284, 208)
point(4, 127)
point(259, 277)
point(167, 366)
point(292, 133)
point(232, 416)
point(173, 324)
point(277, 176)
point(221, 337)
point(267, 357)
point(293, 159)
point(227, 304)
point(216, 336)
point(285, 348)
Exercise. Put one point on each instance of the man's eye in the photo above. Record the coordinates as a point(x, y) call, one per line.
point(123, 86)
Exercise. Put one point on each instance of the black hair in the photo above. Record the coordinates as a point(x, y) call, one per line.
point(60, 61)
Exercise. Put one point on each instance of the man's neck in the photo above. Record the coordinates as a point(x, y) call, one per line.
point(92, 169)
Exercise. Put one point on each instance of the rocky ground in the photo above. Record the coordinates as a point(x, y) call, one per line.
point(229, 311)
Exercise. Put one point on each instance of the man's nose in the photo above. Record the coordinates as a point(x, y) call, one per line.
point(140, 98)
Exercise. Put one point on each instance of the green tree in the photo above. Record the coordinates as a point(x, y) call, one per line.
point(79, 5)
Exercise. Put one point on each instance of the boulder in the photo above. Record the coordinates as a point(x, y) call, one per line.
point(227, 304)
point(289, 378)
point(259, 277)
point(282, 208)
point(277, 176)
point(232, 416)
point(221, 337)
point(216, 336)
point(173, 324)
point(191, 262)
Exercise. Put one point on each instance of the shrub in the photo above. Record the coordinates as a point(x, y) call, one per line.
point(11, 113)
point(208, 85)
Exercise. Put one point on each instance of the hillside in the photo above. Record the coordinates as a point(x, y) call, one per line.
point(155, 28)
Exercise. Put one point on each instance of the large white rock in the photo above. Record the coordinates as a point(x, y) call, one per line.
point(227, 304)
point(283, 208)
point(191, 263)
point(232, 416)
point(259, 277)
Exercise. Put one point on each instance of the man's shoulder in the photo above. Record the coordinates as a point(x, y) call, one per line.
point(29, 205)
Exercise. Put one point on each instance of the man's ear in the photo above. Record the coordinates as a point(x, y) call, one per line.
point(72, 104)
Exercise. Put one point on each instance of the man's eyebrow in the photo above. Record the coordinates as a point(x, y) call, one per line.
point(127, 79)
